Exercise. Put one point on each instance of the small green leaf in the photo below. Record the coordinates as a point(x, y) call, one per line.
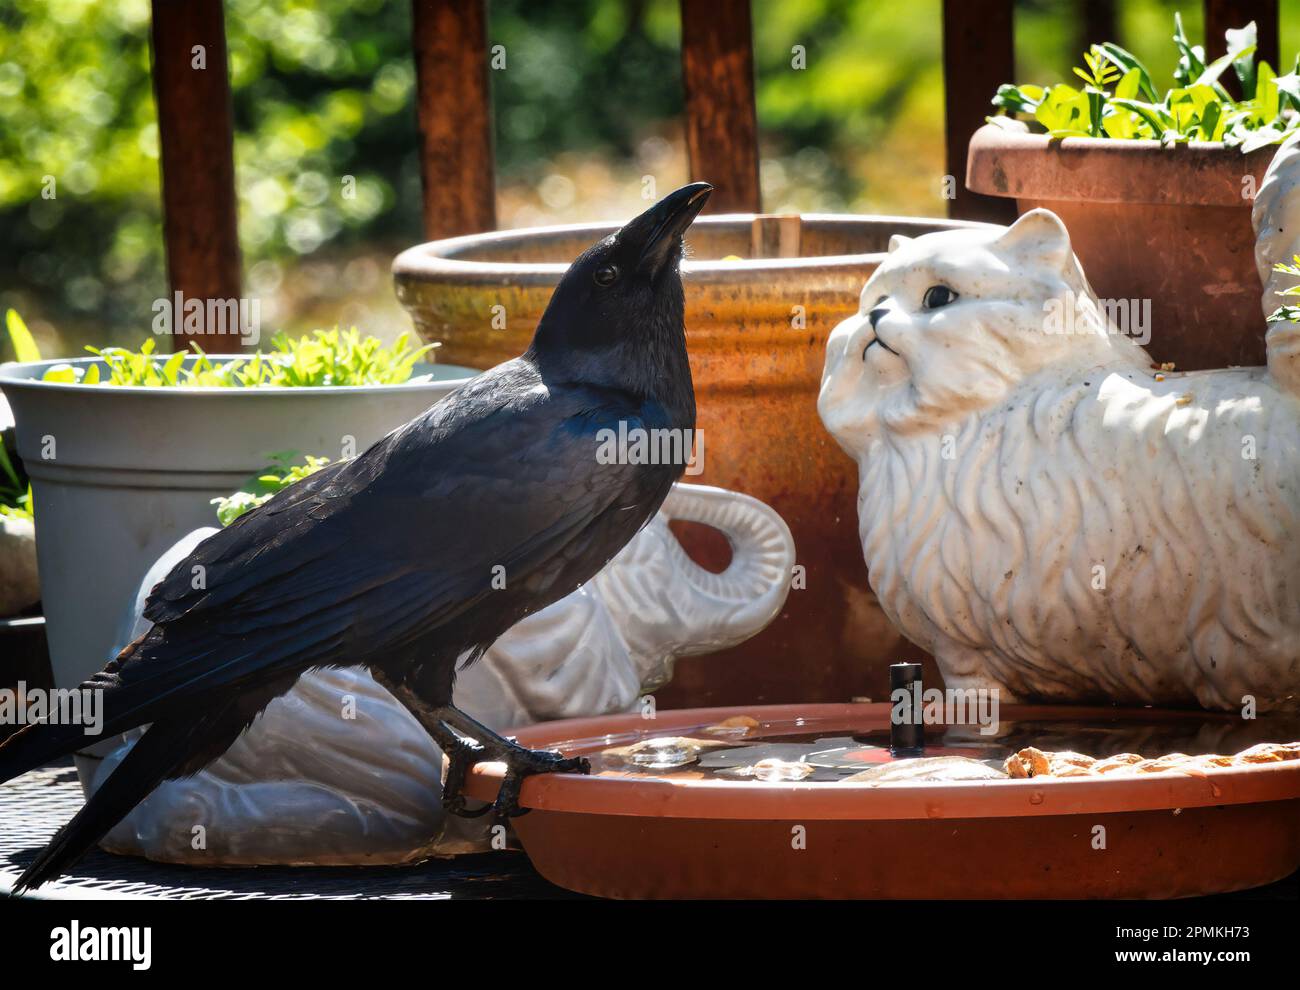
point(64, 374)
point(1129, 85)
point(1192, 57)
point(173, 366)
point(21, 338)
point(1216, 68)
point(1266, 94)
point(1063, 109)
point(1239, 40)
point(1153, 116)
point(1210, 122)
point(1127, 61)
point(1288, 86)
point(1120, 124)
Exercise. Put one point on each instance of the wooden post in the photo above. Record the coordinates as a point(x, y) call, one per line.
point(192, 91)
point(721, 126)
point(454, 108)
point(978, 57)
point(1097, 23)
point(1220, 15)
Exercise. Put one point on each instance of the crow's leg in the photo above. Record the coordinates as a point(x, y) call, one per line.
point(461, 753)
point(466, 741)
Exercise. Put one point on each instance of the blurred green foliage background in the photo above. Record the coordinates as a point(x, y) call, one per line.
point(589, 102)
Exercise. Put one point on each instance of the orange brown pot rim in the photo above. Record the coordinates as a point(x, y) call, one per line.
point(753, 800)
point(1023, 165)
point(440, 262)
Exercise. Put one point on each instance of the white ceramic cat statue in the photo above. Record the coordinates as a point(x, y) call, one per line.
point(337, 772)
point(1045, 511)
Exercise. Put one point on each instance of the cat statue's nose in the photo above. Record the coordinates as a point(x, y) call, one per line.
point(876, 315)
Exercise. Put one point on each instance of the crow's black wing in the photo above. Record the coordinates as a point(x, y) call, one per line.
point(369, 555)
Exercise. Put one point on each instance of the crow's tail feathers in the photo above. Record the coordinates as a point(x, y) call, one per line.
point(166, 746)
point(35, 745)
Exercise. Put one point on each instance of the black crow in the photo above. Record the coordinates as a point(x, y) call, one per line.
point(497, 501)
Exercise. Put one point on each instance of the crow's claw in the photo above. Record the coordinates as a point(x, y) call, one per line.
point(461, 755)
point(466, 742)
point(522, 763)
point(507, 803)
point(456, 806)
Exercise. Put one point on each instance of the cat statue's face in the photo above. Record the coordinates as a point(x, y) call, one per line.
point(951, 322)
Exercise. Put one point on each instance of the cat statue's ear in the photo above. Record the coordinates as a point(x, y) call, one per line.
point(1039, 234)
point(897, 241)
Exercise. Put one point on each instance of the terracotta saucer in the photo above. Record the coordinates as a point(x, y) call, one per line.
point(1143, 836)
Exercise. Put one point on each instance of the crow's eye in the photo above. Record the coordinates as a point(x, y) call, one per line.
point(606, 275)
point(937, 296)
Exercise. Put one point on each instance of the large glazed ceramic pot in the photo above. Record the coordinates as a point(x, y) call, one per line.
point(1169, 224)
point(756, 332)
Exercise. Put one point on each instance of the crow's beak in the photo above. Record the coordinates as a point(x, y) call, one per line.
point(660, 228)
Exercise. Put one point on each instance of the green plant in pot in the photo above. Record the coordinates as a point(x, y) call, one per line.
point(126, 450)
point(1155, 186)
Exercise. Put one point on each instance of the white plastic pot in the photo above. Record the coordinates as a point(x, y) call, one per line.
point(120, 473)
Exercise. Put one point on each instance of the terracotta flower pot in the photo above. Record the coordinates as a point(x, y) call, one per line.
point(756, 332)
point(1168, 224)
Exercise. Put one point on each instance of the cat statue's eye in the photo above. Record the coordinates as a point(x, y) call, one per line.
point(938, 295)
point(606, 275)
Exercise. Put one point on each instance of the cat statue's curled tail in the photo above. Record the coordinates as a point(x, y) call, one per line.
point(1046, 511)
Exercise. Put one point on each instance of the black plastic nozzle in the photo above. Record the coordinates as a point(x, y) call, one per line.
point(906, 725)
